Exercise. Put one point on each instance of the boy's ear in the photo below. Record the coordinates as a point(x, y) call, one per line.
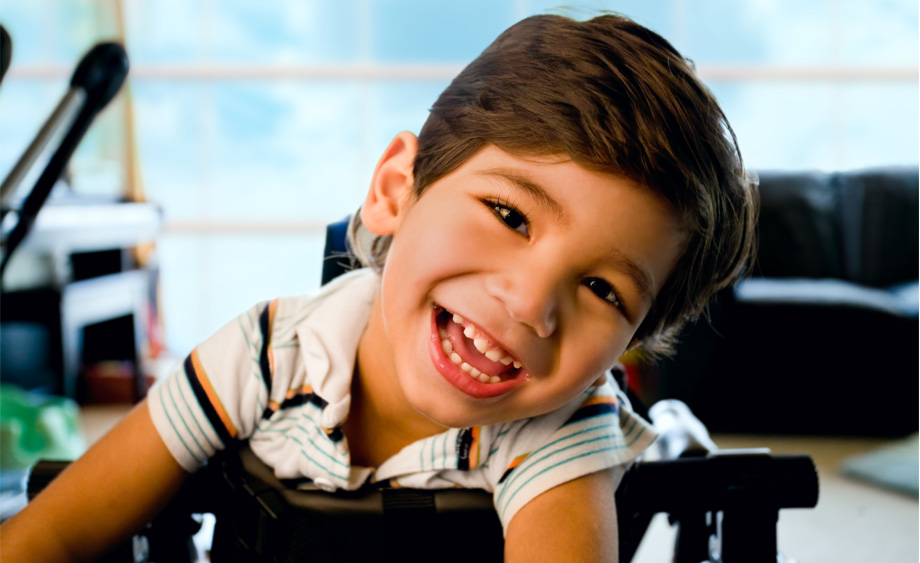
point(391, 186)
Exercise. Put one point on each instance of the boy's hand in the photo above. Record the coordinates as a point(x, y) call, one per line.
point(575, 521)
point(99, 500)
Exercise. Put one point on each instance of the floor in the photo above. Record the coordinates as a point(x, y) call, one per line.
point(852, 523)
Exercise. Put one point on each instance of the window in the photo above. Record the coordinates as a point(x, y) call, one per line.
point(257, 123)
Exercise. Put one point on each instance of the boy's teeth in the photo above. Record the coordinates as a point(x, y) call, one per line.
point(494, 354)
point(483, 345)
point(474, 373)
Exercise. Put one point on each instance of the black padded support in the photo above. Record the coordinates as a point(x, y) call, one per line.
point(259, 519)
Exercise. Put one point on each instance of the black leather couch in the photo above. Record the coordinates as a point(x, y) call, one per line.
point(823, 337)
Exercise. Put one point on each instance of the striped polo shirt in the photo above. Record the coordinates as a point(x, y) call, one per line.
point(279, 376)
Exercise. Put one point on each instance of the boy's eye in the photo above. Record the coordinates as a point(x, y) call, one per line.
point(604, 290)
point(511, 217)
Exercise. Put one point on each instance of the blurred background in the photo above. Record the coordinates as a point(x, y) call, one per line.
point(252, 125)
point(245, 127)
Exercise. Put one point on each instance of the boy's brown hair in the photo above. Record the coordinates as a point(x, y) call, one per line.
point(617, 98)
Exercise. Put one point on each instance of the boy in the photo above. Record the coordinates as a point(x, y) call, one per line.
point(576, 192)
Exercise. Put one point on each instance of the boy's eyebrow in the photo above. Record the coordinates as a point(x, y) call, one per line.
point(528, 185)
point(637, 274)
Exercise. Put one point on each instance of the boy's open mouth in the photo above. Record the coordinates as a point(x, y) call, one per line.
point(473, 352)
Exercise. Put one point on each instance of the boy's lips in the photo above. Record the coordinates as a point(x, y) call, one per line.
point(465, 360)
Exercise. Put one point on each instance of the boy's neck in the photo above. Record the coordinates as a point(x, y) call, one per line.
point(380, 422)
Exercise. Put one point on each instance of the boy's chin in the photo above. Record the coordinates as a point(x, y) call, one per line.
point(447, 418)
point(454, 416)
point(446, 415)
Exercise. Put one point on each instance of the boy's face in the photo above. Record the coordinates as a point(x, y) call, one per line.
point(533, 272)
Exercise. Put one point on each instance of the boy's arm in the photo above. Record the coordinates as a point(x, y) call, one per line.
point(112, 491)
point(575, 521)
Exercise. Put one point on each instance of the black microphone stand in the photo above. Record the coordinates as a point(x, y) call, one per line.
point(100, 74)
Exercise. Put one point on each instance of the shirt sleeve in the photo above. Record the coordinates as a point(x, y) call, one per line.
point(598, 433)
point(217, 394)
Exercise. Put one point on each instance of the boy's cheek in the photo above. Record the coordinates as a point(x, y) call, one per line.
point(452, 245)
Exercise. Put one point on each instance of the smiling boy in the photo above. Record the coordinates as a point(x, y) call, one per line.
point(575, 192)
point(556, 282)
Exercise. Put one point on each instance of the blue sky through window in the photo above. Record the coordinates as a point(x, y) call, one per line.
point(299, 149)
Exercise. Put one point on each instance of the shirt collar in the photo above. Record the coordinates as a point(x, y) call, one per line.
point(329, 339)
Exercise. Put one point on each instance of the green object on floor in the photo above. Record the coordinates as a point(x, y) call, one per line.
point(34, 427)
point(895, 466)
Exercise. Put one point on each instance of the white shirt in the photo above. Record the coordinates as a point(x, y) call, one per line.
point(280, 375)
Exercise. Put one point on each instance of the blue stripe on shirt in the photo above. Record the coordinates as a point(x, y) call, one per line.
point(313, 461)
point(532, 459)
point(506, 504)
point(188, 408)
point(176, 432)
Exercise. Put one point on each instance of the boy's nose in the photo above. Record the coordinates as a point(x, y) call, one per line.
point(530, 297)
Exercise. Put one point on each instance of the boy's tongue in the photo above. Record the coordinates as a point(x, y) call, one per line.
point(465, 348)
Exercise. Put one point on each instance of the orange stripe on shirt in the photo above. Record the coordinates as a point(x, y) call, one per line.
point(517, 461)
point(599, 400)
point(303, 390)
point(514, 463)
point(272, 309)
point(474, 448)
point(202, 377)
point(274, 405)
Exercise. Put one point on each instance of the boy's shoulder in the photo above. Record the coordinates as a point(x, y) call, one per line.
point(601, 414)
point(331, 301)
point(275, 326)
point(594, 432)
